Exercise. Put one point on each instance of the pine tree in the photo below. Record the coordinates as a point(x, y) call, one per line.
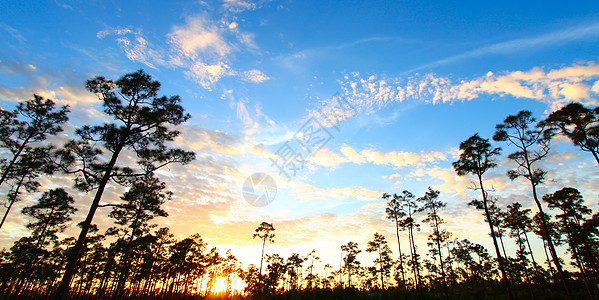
point(477, 158)
point(23, 134)
point(141, 123)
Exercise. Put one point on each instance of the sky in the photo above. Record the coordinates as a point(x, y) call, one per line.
point(412, 79)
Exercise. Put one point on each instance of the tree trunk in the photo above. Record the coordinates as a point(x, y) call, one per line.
point(547, 236)
point(75, 254)
point(403, 276)
point(581, 267)
point(261, 260)
point(12, 200)
point(441, 258)
point(532, 257)
point(499, 258)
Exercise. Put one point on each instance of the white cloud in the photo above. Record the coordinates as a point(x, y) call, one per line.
point(575, 91)
point(63, 88)
point(117, 31)
point(237, 6)
point(398, 159)
point(255, 76)
point(199, 37)
point(555, 87)
point(305, 192)
point(202, 46)
point(207, 75)
point(136, 47)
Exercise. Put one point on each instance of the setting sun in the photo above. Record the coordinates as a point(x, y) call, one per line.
point(220, 286)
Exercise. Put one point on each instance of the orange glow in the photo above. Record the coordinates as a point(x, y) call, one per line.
point(220, 285)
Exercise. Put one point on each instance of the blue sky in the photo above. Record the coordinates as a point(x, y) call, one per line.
point(422, 76)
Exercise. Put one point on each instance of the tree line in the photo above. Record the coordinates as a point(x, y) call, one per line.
point(134, 258)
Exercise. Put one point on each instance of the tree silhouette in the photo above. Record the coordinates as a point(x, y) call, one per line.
point(532, 146)
point(141, 124)
point(380, 246)
point(578, 123)
point(395, 213)
point(142, 204)
point(185, 262)
point(409, 207)
point(477, 158)
point(294, 269)
point(431, 204)
point(265, 233)
point(311, 277)
point(32, 254)
point(231, 267)
point(570, 202)
point(51, 213)
point(23, 134)
point(350, 260)
point(518, 221)
point(276, 268)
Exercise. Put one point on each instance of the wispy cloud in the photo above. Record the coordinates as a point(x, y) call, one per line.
point(375, 40)
point(64, 87)
point(203, 47)
point(549, 39)
point(13, 32)
point(237, 6)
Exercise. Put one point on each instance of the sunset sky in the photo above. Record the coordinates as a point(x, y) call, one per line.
point(420, 77)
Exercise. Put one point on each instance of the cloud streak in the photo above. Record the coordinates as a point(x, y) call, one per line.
point(553, 38)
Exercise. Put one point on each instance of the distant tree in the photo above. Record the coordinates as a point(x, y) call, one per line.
point(23, 135)
point(574, 213)
point(265, 233)
point(185, 262)
point(326, 280)
point(52, 211)
point(294, 269)
point(516, 219)
point(210, 266)
point(409, 206)
point(395, 213)
point(431, 204)
point(520, 131)
point(142, 123)
point(276, 268)
point(157, 261)
point(381, 248)
point(477, 158)
point(350, 260)
point(251, 277)
point(578, 123)
point(462, 255)
point(32, 255)
point(230, 267)
point(476, 269)
point(311, 277)
point(496, 220)
point(519, 221)
point(141, 204)
point(539, 230)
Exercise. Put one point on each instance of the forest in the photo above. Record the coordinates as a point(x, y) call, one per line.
point(136, 259)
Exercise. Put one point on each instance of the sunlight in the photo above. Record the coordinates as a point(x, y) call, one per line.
point(220, 286)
